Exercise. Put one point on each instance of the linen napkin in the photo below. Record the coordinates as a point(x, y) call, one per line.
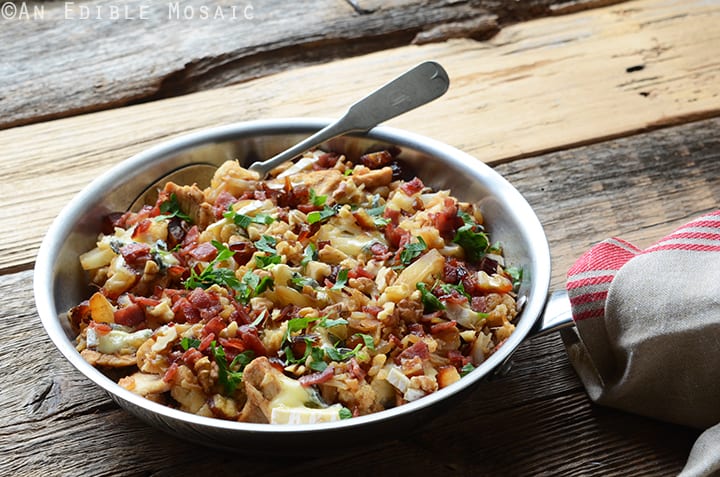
point(647, 331)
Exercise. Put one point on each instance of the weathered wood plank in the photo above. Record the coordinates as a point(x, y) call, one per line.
point(91, 55)
point(537, 86)
point(525, 423)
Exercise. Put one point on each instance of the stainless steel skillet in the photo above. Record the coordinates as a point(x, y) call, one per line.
point(60, 283)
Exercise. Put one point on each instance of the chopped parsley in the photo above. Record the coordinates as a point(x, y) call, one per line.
point(212, 275)
point(430, 302)
point(252, 285)
point(449, 288)
point(325, 322)
point(310, 253)
point(171, 208)
point(471, 238)
point(187, 343)
point(467, 369)
point(342, 354)
point(267, 244)
point(341, 281)
point(243, 221)
point(263, 261)
point(412, 251)
point(320, 215)
point(368, 340)
point(516, 274)
point(230, 375)
point(299, 282)
point(317, 200)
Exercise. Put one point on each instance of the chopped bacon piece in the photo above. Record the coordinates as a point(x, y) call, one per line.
point(191, 237)
point(191, 356)
point(232, 347)
point(380, 251)
point(131, 315)
point(204, 252)
point(206, 342)
point(438, 328)
point(251, 339)
point(479, 304)
point(317, 378)
point(171, 373)
point(206, 303)
point(113, 220)
point(136, 254)
point(142, 227)
point(457, 359)
point(144, 301)
point(397, 237)
point(412, 187)
point(214, 326)
point(357, 370)
point(372, 310)
point(100, 328)
point(223, 202)
point(185, 312)
point(359, 272)
point(419, 349)
point(307, 208)
point(447, 221)
point(327, 160)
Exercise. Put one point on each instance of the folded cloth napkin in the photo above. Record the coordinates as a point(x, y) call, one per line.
point(647, 331)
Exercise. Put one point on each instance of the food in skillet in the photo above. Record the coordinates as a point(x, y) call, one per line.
point(328, 291)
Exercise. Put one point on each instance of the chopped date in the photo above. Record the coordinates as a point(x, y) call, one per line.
point(376, 160)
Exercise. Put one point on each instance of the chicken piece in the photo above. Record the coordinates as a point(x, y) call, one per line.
point(372, 179)
point(263, 383)
point(233, 179)
point(322, 182)
point(192, 201)
point(96, 358)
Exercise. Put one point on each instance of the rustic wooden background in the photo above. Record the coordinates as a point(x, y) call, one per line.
point(604, 117)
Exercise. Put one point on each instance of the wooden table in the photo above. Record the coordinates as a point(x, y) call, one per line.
point(603, 114)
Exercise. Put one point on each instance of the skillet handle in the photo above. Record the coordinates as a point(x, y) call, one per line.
point(556, 315)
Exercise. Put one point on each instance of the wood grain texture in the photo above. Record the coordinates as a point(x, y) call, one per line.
point(90, 55)
point(526, 423)
point(537, 86)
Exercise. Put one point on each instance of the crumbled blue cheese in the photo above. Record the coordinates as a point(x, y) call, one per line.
point(117, 341)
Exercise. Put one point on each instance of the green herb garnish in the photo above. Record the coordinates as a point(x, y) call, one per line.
point(344, 413)
point(212, 275)
point(230, 375)
point(310, 253)
point(474, 242)
point(448, 288)
point(320, 215)
point(465, 370)
point(341, 281)
point(267, 244)
point(317, 200)
point(187, 343)
point(367, 339)
point(325, 322)
point(516, 273)
point(243, 221)
point(171, 208)
point(263, 261)
point(430, 302)
point(412, 250)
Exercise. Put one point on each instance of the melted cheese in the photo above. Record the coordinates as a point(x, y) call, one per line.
point(288, 407)
point(117, 341)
